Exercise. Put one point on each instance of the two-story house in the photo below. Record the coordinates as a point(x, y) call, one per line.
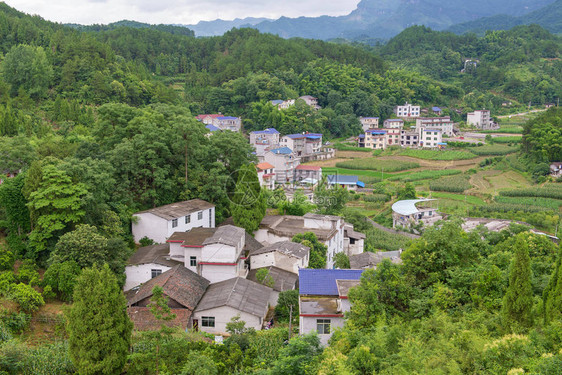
point(392, 137)
point(284, 161)
point(369, 122)
point(159, 223)
point(263, 140)
point(392, 123)
point(375, 139)
point(430, 138)
point(266, 175)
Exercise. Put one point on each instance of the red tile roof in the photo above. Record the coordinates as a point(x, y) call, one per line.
point(201, 117)
point(308, 168)
point(144, 320)
point(264, 166)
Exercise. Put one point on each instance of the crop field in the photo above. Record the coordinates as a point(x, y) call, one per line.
point(494, 150)
point(553, 204)
point(379, 239)
point(508, 130)
point(468, 199)
point(553, 191)
point(454, 184)
point(437, 154)
point(376, 164)
point(514, 139)
point(424, 175)
point(348, 147)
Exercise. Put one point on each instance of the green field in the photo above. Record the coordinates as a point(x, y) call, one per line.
point(424, 175)
point(469, 199)
point(507, 129)
point(494, 150)
point(514, 139)
point(437, 154)
point(531, 201)
point(454, 184)
point(376, 164)
point(348, 147)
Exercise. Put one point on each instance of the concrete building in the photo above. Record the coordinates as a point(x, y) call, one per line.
point(346, 182)
point(311, 101)
point(266, 175)
point(302, 145)
point(406, 213)
point(308, 174)
point(264, 140)
point(369, 122)
point(183, 288)
point(393, 123)
point(392, 137)
point(480, 119)
point(224, 300)
point(556, 169)
point(286, 255)
point(146, 263)
point(368, 260)
point(160, 223)
point(409, 138)
point(353, 242)
point(323, 300)
point(430, 138)
point(407, 111)
point(375, 139)
point(221, 122)
point(445, 124)
point(284, 161)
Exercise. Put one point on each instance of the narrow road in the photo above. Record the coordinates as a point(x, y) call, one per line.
point(392, 231)
point(522, 113)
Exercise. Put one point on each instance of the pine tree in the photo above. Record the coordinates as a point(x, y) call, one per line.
point(248, 204)
point(98, 325)
point(552, 295)
point(518, 299)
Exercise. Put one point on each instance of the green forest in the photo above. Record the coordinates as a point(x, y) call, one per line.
point(99, 122)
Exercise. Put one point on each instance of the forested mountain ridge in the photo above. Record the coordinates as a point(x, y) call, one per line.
point(172, 29)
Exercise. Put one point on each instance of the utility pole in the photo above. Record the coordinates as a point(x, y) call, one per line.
point(290, 321)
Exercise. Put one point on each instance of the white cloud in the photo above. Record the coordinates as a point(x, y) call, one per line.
point(176, 11)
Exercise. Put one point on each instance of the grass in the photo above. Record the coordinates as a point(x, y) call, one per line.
point(376, 164)
point(345, 147)
point(507, 129)
point(469, 199)
point(494, 150)
point(424, 175)
point(514, 139)
point(437, 154)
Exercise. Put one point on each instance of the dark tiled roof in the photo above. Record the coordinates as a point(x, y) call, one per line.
point(226, 235)
point(194, 237)
point(238, 293)
point(369, 259)
point(180, 284)
point(284, 280)
point(179, 209)
point(345, 285)
point(157, 254)
point(285, 247)
point(322, 282)
point(144, 320)
point(251, 244)
point(351, 233)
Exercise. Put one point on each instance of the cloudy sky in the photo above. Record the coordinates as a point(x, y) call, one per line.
point(176, 11)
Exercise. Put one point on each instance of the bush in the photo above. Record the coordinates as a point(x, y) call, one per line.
point(145, 241)
point(26, 297)
point(6, 259)
point(455, 184)
point(27, 273)
point(16, 322)
point(7, 281)
point(61, 277)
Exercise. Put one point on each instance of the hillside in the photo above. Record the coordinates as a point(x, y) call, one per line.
point(549, 17)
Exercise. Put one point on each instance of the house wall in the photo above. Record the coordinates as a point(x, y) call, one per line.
point(218, 273)
point(308, 324)
point(140, 274)
point(151, 226)
point(220, 253)
point(188, 252)
point(223, 315)
point(273, 297)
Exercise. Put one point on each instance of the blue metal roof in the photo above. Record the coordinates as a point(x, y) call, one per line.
point(362, 136)
point(212, 127)
point(295, 136)
point(282, 150)
point(313, 136)
point(436, 109)
point(322, 282)
point(267, 131)
point(227, 118)
point(360, 184)
point(376, 131)
point(342, 179)
point(278, 101)
point(442, 143)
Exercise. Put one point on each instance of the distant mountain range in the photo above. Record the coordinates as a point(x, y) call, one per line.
point(549, 17)
point(386, 18)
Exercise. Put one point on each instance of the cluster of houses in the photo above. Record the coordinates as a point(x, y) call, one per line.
point(284, 104)
point(210, 274)
point(217, 122)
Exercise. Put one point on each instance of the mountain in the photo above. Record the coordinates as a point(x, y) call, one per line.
point(172, 29)
point(380, 18)
point(549, 17)
point(219, 27)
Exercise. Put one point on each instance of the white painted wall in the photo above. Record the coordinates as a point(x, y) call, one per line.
point(140, 274)
point(279, 260)
point(308, 324)
point(189, 252)
point(218, 273)
point(223, 315)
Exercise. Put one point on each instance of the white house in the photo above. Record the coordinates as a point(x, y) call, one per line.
point(369, 122)
point(375, 139)
point(286, 255)
point(226, 299)
point(221, 122)
point(284, 161)
point(351, 183)
point(215, 254)
point(161, 222)
point(306, 144)
point(323, 300)
point(310, 101)
point(263, 140)
point(146, 263)
point(405, 213)
point(407, 110)
point(266, 175)
point(430, 138)
point(392, 123)
point(445, 124)
point(480, 119)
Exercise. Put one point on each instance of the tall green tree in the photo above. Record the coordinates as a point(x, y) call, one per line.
point(57, 205)
point(99, 328)
point(518, 299)
point(552, 295)
point(27, 67)
point(318, 250)
point(330, 200)
point(84, 245)
point(248, 204)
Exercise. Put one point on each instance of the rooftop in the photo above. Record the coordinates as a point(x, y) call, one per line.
point(193, 238)
point(178, 209)
point(263, 166)
point(238, 293)
point(157, 254)
point(282, 151)
point(284, 280)
point(227, 118)
point(285, 247)
point(394, 120)
point(319, 306)
point(345, 285)
point(266, 131)
point(302, 167)
point(342, 179)
point(201, 117)
point(322, 282)
point(180, 284)
point(288, 226)
point(436, 109)
point(212, 128)
point(408, 207)
point(370, 260)
point(226, 235)
point(375, 131)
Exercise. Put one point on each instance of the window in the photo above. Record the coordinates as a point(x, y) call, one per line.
point(323, 326)
point(155, 273)
point(208, 321)
point(193, 261)
point(188, 219)
point(174, 223)
point(200, 215)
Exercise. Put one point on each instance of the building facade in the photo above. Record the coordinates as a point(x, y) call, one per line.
point(442, 123)
point(480, 119)
point(407, 110)
point(369, 122)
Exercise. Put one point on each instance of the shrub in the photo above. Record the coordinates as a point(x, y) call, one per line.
point(145, 241)
point(16, 322)
point(6, 259)
point(7, 281)
point(26, 297)
point(455, 184)
point(376, 198)
point(61, 277)
point(27, 273)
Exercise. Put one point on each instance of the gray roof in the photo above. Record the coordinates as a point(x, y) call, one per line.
point(179, 209)
point(345, 285)
point(284, 280)
point(310, 215)
point(293, 249)
point(408, 207)
point(157, 254)
point(226, 235)
point(179, 283)
point(238, 293)
point(369, 259)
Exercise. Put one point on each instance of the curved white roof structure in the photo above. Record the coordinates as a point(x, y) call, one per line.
point(408, 207)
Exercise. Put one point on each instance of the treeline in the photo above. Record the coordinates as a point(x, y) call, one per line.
point(542, 138)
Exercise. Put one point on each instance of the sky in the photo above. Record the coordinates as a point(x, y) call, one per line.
point(176, 11)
